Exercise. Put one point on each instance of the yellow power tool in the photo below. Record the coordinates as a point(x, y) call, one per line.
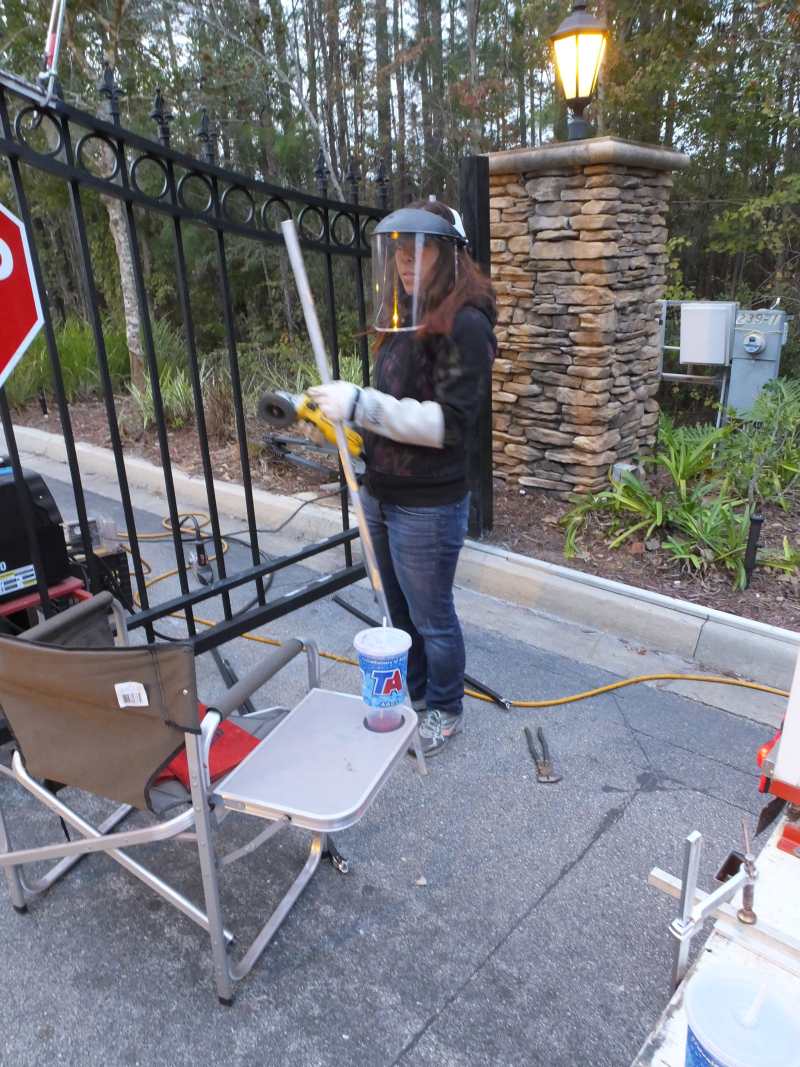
point(282, 409)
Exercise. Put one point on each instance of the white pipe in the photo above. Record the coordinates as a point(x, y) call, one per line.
point(323, 369)
point(52, 48)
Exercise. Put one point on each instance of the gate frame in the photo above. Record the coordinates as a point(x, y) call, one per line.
point(21, 102)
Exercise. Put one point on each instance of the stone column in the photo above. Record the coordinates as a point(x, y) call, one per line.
point(579, 262)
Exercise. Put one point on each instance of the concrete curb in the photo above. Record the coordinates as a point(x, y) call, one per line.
point(715, 640)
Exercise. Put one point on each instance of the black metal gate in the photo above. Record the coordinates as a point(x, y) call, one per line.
point(64, 143)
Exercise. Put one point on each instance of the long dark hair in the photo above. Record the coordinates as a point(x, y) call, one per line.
point(455, 281)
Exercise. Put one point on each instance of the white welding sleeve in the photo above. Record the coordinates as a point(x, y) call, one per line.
point(411, 422)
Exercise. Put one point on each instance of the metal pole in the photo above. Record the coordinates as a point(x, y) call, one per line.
point(320, 355)
point(691, 866)
point(473, 181)
point(751, 552)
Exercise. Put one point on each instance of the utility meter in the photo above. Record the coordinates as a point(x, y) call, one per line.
point(757, 341)
point(754, 344)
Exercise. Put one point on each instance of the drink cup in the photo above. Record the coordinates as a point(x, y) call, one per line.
point(383, 659)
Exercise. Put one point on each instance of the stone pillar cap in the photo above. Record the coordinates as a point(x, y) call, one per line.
point(592, 151)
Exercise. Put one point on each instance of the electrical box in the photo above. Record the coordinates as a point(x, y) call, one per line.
point(707, 332)
point(758, 339)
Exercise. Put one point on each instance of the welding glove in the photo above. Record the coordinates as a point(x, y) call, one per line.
point(336, 401)
point(406, 421)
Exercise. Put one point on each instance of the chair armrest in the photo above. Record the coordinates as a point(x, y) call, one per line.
point(268, 668)
point(74, 625)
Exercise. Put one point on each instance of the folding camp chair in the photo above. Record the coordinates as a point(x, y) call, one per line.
point(107, 720)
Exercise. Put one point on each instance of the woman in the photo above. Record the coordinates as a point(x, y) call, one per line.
point(434, 313)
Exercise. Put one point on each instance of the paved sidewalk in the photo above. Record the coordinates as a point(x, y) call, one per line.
point(535, 939)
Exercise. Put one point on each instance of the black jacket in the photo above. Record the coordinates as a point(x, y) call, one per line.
point(453, 371)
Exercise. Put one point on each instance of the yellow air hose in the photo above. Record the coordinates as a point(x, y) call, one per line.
point(203, 521)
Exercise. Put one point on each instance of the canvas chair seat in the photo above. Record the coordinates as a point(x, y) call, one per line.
point(73, 724)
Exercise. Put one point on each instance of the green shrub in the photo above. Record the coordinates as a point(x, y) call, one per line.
point(77, 358)
point(714, 534)
point(760, 458)
point(220, 413)
point(707, 484)
point(176, 398)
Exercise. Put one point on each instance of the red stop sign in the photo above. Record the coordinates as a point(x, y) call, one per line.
point(20, 307)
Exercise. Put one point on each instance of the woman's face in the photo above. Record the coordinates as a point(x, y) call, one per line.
point(412, 261)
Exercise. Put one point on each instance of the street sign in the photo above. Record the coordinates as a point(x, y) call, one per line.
point(21, 315)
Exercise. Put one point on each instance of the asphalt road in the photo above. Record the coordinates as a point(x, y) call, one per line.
point(533, 940)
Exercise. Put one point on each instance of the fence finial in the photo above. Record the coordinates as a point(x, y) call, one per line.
point(162, 117)
point(110, 92)
point(204, 136)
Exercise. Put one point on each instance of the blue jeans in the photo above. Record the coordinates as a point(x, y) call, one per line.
point(417, 551)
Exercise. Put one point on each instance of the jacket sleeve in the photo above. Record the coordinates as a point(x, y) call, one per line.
point(411, 422)
point(461, 372)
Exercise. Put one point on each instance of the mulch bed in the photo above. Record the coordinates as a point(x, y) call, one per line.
point(525, 521)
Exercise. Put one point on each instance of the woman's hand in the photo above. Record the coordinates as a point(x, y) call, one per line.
point(337, 401)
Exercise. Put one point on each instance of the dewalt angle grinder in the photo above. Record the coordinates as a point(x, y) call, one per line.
point(282, 409)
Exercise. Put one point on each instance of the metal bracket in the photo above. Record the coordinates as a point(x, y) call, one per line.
point(334, 857)
point(696, 906)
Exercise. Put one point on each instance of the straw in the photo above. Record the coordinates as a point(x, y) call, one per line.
point(750, 1017)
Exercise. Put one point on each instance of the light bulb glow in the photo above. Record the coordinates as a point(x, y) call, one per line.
point(578, 59)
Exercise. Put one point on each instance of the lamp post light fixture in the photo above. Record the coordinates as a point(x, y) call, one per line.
point(578, 45)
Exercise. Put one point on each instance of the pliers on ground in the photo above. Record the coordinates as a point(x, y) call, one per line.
point(544, 764)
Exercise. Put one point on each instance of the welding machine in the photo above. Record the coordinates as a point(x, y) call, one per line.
point(17, 572)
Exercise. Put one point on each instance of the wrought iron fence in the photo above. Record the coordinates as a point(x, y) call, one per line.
point(90, 156)
point(96, 155)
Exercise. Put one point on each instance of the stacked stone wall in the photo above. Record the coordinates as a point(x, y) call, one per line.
point(578, 263)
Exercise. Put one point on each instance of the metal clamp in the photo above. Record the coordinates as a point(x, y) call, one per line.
point(693, 913)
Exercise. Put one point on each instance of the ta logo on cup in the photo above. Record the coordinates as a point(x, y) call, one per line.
point(384, 683)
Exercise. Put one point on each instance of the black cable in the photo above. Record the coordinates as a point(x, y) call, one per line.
point(285, 523)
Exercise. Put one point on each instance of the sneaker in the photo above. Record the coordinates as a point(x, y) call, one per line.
point(437, 728)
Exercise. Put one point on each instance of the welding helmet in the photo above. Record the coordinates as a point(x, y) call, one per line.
point(414, 265)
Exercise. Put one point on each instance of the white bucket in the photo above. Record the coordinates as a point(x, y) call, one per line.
point(737, 1019)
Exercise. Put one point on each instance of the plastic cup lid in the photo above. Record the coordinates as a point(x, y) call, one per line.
point(739, 1022)
point(382, 641)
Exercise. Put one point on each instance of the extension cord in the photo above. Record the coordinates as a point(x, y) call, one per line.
point(638, 679)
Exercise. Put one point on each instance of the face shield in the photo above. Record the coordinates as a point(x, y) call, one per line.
point(402, 264)
point(414, 265)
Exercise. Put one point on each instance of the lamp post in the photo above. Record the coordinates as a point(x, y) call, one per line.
point(578, 46)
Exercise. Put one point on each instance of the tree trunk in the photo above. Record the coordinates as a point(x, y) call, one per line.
point(130, 305)
point(533, 111)
point(400, 80)
point(282, 56)
point(382, 83)
point(423, 76)
point(472, 8)
point(438, 99)
point(336, 81)
point(328, 73)
point(311, 59)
